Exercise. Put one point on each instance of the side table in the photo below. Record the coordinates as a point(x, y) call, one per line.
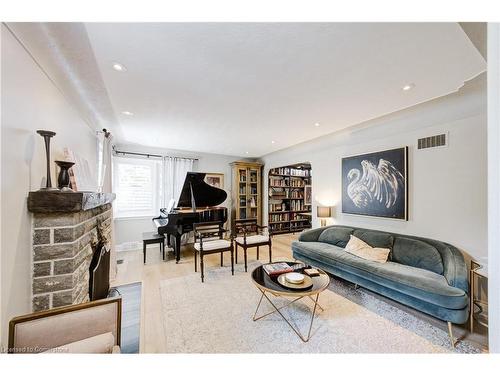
point(478, 306)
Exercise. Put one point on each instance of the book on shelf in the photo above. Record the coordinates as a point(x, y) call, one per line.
point(275, 269)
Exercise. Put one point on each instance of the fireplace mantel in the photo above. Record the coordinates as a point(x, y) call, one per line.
point(67, 202)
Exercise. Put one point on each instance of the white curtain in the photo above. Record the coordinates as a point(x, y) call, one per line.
point(174, 174)
point(104, 184)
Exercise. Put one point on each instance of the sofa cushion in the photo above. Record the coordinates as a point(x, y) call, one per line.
point(416, 282)
point(416, 253)
point(361, 249)
point(338, 236)
point(374, 238)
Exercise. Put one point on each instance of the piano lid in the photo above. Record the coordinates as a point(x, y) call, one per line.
point(204, 194)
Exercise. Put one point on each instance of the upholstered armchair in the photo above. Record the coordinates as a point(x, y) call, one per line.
point(249, 234)
point(91, 327)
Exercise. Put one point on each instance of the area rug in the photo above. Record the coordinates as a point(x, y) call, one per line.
point(216, 317)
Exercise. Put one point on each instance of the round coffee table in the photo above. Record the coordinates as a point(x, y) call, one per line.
point(268, 285)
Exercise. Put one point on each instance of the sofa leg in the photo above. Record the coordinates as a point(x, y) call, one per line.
point(450, 333)
point(356, 286)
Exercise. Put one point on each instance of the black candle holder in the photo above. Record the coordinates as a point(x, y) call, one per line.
point(47, 134)
point(63, 180)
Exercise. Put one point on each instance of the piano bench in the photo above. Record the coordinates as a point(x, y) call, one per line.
point(149, 238)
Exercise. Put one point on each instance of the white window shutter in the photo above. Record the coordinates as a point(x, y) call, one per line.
point(137, 187)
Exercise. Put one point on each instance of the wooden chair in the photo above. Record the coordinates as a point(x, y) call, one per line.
point(250, 234)
point(209, 239)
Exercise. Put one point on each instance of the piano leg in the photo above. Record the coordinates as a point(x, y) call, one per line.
point(222, 259)
point(168, 240)
point(178, 247)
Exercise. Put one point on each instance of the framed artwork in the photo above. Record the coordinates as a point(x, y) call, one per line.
point(307, 195)
point(215, 180)
point(376, 184)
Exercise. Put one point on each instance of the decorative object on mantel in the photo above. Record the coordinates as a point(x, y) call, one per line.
point(323, 213)
point(81, 174)
point(57, 201)
point(63, 181)
point(47, 134)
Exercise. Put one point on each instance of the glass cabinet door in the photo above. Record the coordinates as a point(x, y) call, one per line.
point(242, 191)
point(253, 192)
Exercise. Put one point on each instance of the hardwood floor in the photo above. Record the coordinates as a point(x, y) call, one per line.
point(150, 274)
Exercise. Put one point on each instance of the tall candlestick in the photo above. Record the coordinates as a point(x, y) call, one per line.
point(47, 134)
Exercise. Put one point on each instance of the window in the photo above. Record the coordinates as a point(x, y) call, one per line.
point(137, 186)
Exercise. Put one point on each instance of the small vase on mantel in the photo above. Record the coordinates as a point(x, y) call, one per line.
point(63, 180)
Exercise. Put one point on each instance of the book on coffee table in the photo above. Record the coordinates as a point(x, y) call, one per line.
point(275, 269)
point(311, 272)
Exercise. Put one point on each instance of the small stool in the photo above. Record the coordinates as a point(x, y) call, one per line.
point(149, 238)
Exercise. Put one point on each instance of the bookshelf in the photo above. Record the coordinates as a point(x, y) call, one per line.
point(290, 198)
point(246, 191)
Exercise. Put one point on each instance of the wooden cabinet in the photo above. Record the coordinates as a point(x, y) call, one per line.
point(246, 191)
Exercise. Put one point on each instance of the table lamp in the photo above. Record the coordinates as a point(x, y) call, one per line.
point(323, 213)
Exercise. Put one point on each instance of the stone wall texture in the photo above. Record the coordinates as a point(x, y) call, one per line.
point(62, 251)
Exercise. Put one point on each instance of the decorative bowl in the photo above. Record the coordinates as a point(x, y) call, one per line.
point(294, 277)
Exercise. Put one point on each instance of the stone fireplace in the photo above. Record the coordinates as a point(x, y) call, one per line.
point(66, 228)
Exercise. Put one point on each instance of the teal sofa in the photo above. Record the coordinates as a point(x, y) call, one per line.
point(427, 275)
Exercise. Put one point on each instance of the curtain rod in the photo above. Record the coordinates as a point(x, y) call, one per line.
point(150, 155)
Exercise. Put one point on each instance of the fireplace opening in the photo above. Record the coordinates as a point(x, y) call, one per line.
point(99, 272)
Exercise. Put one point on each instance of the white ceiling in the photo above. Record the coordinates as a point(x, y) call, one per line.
point(232, 88)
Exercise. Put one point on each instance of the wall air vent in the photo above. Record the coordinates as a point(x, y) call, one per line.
point(440, 140)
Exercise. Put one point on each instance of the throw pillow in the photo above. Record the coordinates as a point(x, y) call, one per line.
point(361, 249)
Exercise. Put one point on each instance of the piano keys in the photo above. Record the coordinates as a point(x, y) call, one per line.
point(197, 204)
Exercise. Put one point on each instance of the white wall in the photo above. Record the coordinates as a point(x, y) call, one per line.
point(128, 231)
point(29, 102)
point(494, 185)
point(447, 186)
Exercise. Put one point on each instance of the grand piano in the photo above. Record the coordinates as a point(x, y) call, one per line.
point(197, 204)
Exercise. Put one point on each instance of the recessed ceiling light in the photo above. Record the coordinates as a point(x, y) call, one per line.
point(119, 67)
point(408, 87)
point(127, 113)
point(246, 152)
point(317, 124)
point(272, 141)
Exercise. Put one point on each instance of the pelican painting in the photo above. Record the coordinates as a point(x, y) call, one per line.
point(375, 184)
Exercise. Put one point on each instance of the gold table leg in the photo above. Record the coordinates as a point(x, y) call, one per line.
point(277, 309)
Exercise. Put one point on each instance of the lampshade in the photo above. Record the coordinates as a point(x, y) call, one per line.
point(324, 211)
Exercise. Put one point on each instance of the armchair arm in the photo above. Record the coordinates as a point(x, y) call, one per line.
point(311, 235)
point(455, 269)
